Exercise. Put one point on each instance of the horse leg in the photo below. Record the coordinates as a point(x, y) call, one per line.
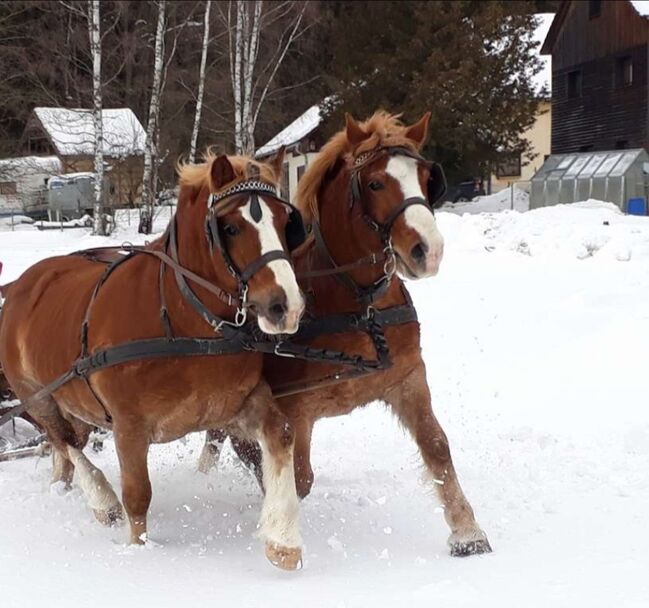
point(68, 438)
point(278, 524)
point(132, 451)
point(411, 403)
point(209, 458)
point(303, 471)
point(250, 454)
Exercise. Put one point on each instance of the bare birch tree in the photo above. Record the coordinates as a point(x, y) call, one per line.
point(99, 224)
point(201, 82)
point(150, 148)
point(250, 81)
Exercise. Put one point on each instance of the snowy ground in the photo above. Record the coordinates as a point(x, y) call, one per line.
point(536, 336)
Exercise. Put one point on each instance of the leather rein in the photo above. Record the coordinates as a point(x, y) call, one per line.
point(235, 337)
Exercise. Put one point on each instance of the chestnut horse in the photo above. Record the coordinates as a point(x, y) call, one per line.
point(159, 400)
point(367, 177)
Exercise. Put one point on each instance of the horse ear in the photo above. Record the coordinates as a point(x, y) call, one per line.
point(419, 131)
point(355, 135)
point(222, 172)
point(277, 162)
point(252, 170)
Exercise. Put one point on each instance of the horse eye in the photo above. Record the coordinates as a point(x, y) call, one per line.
point(376, 185)
point(231, 230)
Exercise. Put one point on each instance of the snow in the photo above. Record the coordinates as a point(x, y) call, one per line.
point(72, 131)
point(29, 165)
point(492, 203)
point(294, 132)
point(536, 357)
point(642, 6)
point(544, 77)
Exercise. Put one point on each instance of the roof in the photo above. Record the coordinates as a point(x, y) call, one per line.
point(544, 77)
point(29, 165)
point(72, 131)
point(294, 132)
point(582, 165)
point(642, 6)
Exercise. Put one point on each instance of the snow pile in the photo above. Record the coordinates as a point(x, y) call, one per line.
point(12, 168)
point(580, 230)
point(537, 369)
point(499, 201)
point(73, 132)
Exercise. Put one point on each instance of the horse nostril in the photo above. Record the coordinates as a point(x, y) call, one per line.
point(418, 253)
point(277, 310)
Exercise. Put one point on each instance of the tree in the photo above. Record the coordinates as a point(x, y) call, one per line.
point(470, 63)
point(250, 82)
point(99, 224)
point(150, 149)
point(201, 82)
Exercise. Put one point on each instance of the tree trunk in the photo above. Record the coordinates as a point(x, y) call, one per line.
point(150, 149)
point(201, 83)
point(99, 226)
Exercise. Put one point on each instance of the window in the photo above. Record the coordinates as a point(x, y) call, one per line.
point(594, 8)
point(300, 173)
point(8, 188)
point(623, 72)
point(509, 165)
point(621, 144)
point(574, 84)
point(587, 148)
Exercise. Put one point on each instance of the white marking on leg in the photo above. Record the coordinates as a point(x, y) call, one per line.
point(404, 169)
point(283, 271)
point(279, 521)
point(95, 486)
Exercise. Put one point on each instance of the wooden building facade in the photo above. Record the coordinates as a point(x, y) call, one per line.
point(599, 76)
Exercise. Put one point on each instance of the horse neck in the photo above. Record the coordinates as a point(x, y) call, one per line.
point(195, 255)
point(348, 239)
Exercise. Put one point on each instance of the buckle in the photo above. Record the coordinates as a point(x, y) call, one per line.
point(277, 352)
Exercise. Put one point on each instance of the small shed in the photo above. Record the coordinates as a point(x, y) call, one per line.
point(23, 182)
point(615, 176)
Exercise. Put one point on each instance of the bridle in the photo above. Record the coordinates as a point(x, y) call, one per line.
point(295, 235)
point(367, 295)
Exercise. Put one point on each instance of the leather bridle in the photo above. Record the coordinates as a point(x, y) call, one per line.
point(367, 295)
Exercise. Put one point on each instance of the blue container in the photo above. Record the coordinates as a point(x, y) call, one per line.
point(636, 206)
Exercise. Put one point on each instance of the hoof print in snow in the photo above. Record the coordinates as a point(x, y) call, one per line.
point(472, 547)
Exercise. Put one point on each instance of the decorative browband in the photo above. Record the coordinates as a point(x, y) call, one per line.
point(250, 185)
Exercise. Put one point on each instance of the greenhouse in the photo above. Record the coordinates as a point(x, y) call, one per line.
point(618, 176)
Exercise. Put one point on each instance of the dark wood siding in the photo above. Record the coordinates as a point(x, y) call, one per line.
point(606, 115)
point(582, 39)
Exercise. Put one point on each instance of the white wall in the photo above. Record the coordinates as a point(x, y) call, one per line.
point(292, 163)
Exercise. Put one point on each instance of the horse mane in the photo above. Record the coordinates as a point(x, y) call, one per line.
point(385, 129)
point(197, 175)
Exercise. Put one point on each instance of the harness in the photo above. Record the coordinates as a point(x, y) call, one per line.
point(240, 335)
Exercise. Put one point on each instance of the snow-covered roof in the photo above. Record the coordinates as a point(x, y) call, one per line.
point(72, 131)
point(29, 165)
point(642, 6)
point(544, 77)
point(299, 128)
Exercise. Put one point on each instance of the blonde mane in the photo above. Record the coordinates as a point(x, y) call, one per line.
point(200, 174)
point(385, 129)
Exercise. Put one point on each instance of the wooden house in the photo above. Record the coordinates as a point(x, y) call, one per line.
point(69, 135)
point(599, 75)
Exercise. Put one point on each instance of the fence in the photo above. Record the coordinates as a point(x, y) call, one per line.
point(119, 219)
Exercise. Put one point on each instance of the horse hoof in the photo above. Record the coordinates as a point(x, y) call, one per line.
point(110, 516)
point(474, 542)
point(286, 558)
point(471, 547)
